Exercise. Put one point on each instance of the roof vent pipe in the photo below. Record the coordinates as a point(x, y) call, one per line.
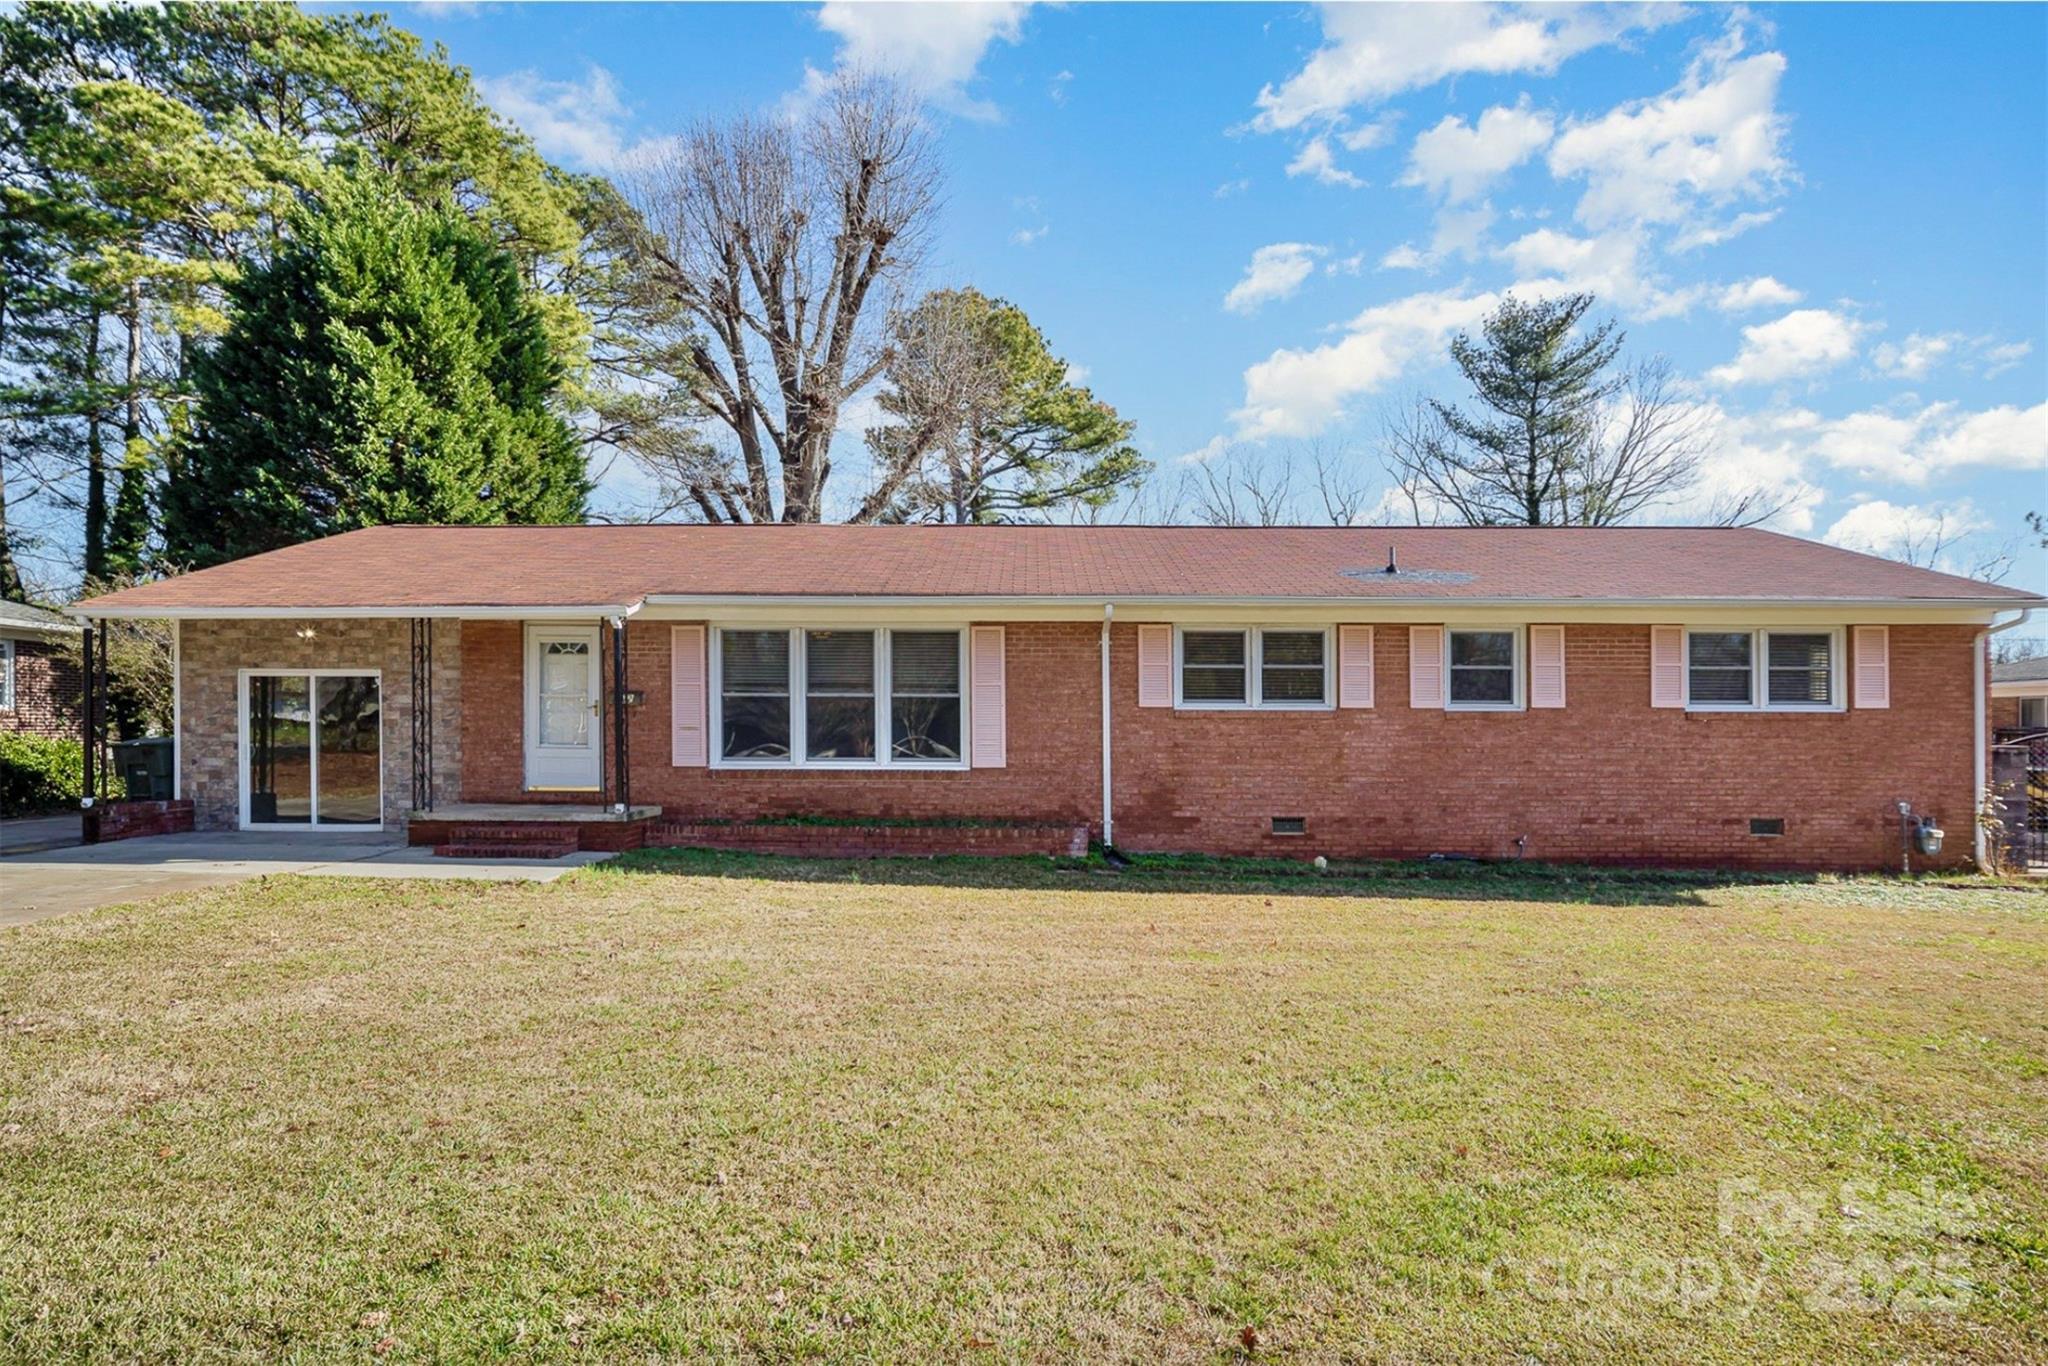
point(1393, 565)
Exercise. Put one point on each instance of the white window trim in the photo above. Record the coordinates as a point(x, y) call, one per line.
point(1520, 637)
point(1254, 657)
point(7, 679)
point(799, 740)
point(242, 677)
point(1759, 669)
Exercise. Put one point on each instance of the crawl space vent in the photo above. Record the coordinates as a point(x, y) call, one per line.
point(1290, 825)
point(1767, 826)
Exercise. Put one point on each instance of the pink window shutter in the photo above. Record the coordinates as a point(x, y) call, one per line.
point(687, 690)
point(1546, 666)
point(1873, 660)
point(1426, 666)
point(988, 702)
point(1155, 666)
point(1667, 666)
point(1354, 666)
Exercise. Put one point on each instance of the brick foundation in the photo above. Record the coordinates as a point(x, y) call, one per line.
point(875, 841)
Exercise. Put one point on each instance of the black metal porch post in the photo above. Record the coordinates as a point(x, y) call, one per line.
point(88, 737)
point(422, 713)
point(622, 785)
point(106, 757)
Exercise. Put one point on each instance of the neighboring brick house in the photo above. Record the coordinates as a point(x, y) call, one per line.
point(39, 678)
point(1644, 695)
point(2019, 695)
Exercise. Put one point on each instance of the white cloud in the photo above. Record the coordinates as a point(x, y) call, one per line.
point(1804, 342)
point(935, 48)
point(1204, 453)
point(1367, 136)
point(1346, 265)
point(1915, 447)
point(1056, 88)
point(1371, 52)
point(1914, 357)
point(2002, 357)
point(1459, 232)
point(1714, 138)
point(1316, 159)
point(580, 122)
point(1275, 272)
point(1610, 266)
point(1300, 392)
point(1025, 237)
point(1921, 353)
point(1913, 531)
point(1763, 291)
point(1456, 161)
point(1753, 455)
point(1713, 234)
point(1231, 187)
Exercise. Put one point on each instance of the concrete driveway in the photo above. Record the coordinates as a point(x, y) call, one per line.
point(51, 882)
point(32, 834)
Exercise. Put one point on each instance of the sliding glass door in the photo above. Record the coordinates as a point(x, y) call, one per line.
point(312, 752)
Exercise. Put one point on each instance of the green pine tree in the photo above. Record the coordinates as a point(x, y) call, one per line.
point(386, 366)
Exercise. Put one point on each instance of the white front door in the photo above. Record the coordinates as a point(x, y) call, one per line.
point(564, 737)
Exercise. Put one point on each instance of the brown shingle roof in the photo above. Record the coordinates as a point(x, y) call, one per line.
point(451, 567)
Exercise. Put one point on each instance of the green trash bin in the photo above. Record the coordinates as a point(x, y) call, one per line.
point(144, 767)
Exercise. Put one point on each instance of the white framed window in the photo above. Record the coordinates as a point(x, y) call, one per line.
point(6, 675)
point(2034, 713)
point(1777, 669)
point(1264, 668)
point(1483, 668)
point(839, 697)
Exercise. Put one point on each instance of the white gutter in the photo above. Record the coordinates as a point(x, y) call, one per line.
point(551, 612)
point(1345, 602)
point(1108, 825)
point(1351, 601)
point(1979, 653)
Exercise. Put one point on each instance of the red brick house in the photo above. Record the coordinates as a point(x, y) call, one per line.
point(40, 687)
point(1651, 695)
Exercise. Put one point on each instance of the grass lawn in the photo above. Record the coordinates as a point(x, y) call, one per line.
point(690, 1105)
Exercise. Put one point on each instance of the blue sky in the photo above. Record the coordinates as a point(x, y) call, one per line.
point(1254, 227)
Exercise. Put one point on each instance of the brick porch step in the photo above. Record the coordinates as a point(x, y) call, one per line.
point(504, 848)
point(509, 834)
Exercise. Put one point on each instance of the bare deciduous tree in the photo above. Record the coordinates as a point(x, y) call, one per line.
point(1256, 486)
point(785, 244)
point(1242, 487)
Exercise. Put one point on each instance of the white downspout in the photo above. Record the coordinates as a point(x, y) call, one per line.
point(1983, 741)
point(177, 709)
point(1108, 825)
